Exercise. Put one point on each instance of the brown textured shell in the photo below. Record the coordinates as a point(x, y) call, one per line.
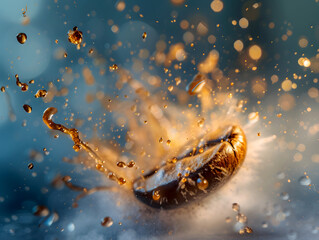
point(215, 159)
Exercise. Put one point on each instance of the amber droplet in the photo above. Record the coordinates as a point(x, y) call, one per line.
point(31, 81)
point(121, 164)
point(196, 85)
point(40, 93)
point(75, 36)
point(144, 36)
point(91, 51)
point(22, 38)
point(236, 207)
point(65, 55)
point(107, 222)
point(3, 89)
point(30, 166)
point(156, 196)
point(248, 230)
point(24, 87)
point(131, 164)
point(202, 183)
point(27, 108)
point(121, 181)
point(113, 67)
point(40, 211)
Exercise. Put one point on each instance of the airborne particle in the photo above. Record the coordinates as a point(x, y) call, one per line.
point(27, 108)
point(3, 89)
point(107, 222)
point(22, 38)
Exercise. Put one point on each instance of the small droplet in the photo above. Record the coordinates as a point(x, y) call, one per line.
point(121, 164)
point(196, 85)
point(241, 218)
point(202, 183)
point(107, 222)
point(144, 36)
point(284, 196)
point(22, 38)
point(40, 93)
point(65, 55)
point(41, 211)
point(236, 207)
point(91, 51)
point(27, 108)
point(121, 181)
point(3, 89)
point(304, 181)
point(113, 67)
point(201, 122)
point(248, 230)
point(131, 164)
point(30, 166)
point(160, 140)
point(156, 196)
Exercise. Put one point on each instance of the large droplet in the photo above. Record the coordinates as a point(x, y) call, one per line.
point(22, 38)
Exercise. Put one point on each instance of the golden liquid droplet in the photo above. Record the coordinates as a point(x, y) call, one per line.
point(160, 140)
point(248, 230)
point(24, 86)
point(196, 85)
point(107, 222)
point(121, 164)
point(65, 55)
point(30, 166)
point(31, 81)
point(22, 38)
point(75, 37)
point(40, 93)
point(156, 196)
point(91, 51)
point(202, 183)
point(113, 67)
point(144, 36)
point(27, 108)
point(131, 164)
point(121, 181)
point(3, 89)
